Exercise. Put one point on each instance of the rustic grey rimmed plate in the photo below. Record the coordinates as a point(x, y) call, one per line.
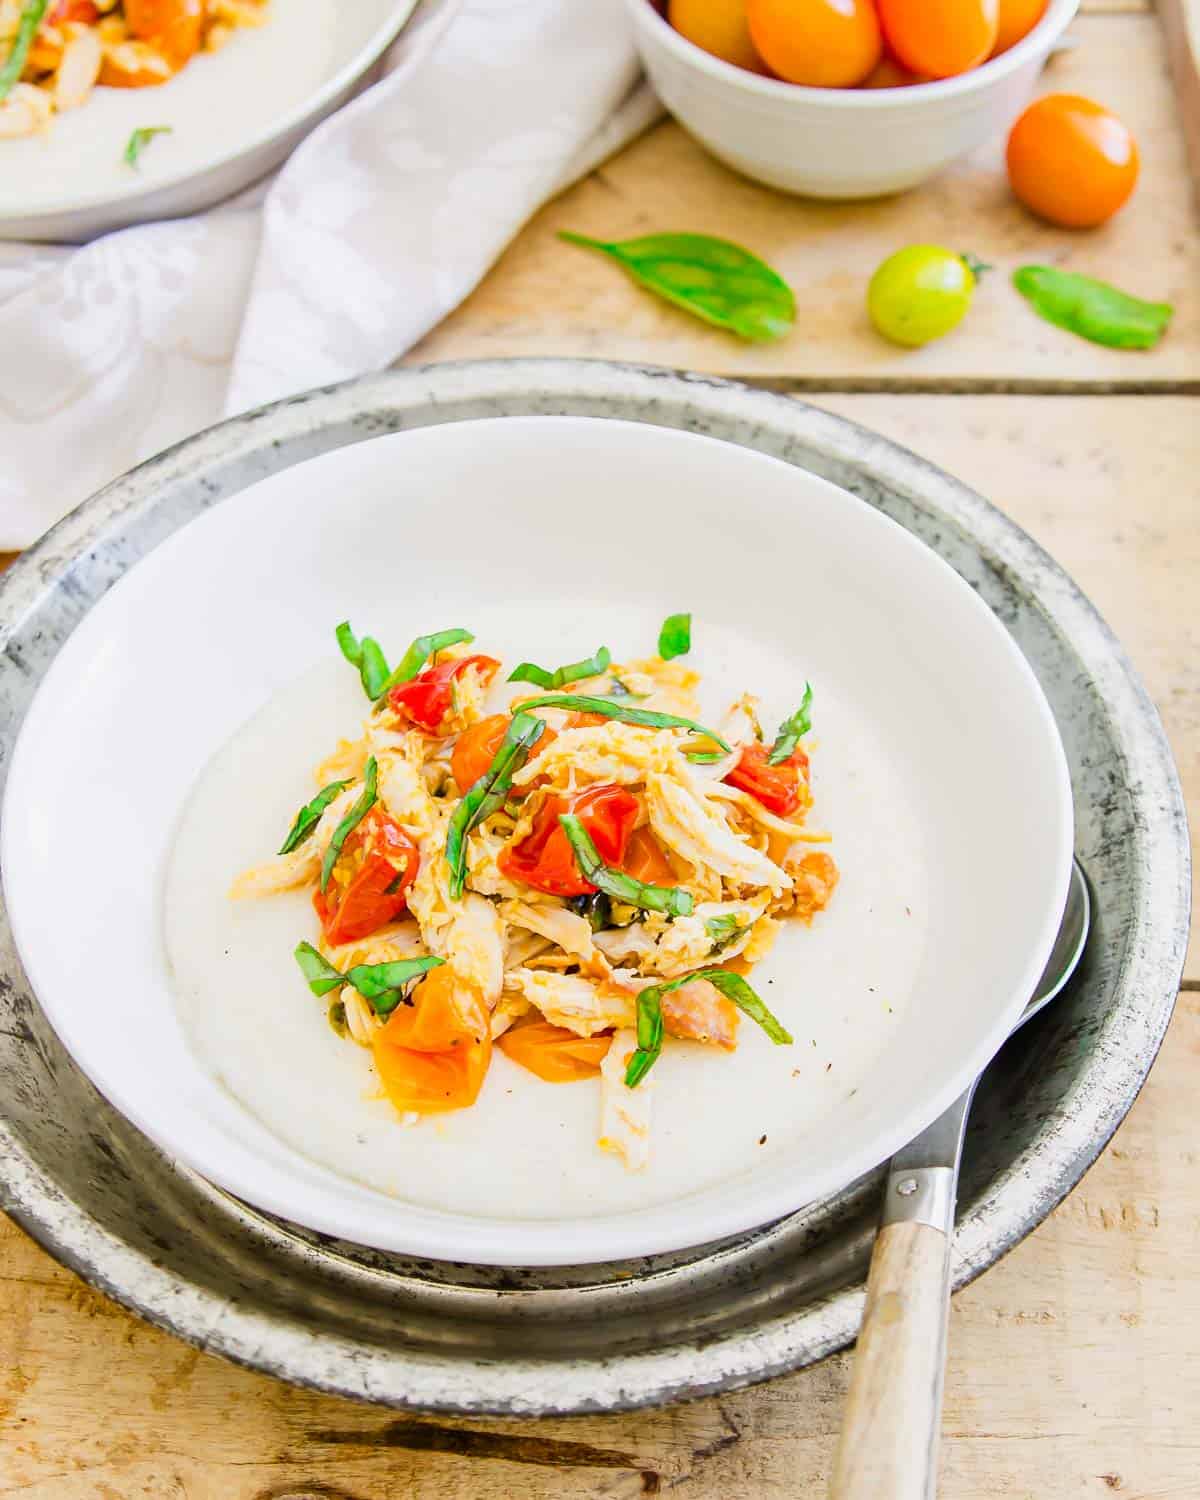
point(471, 1339)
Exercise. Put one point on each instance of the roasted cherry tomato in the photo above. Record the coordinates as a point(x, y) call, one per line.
point(554, 1053)
point(940, 37)
point(719, 27)
point(476, 749)
point(428, 700)
point(84, 11)
point(919, 294)
point(781, 788)
point(646, 859)
point(1017, 19)
point(433, 1053)
point(824, 43)
point(545, 859)
point(368, 884)
point(1071, 161)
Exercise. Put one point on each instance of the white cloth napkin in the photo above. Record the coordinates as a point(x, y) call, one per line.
point(381, 222)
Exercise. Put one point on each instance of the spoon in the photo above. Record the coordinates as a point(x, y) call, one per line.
point(889, 1439)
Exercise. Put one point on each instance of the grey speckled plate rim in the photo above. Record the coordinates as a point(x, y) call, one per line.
point(98, 540)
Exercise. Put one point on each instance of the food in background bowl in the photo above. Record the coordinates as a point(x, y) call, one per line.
point(53, 53)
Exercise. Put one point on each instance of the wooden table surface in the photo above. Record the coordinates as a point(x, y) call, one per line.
point(1074, 1367)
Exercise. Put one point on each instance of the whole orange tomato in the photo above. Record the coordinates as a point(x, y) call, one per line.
point(888, 74)
point(1071, 161)
point(829, 44)
point(1017, 19)
point(719, 27)
point(940, 37)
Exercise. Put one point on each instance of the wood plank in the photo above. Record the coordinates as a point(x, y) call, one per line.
point(545, 297)
point(1181, 29)
point(1063, 1359)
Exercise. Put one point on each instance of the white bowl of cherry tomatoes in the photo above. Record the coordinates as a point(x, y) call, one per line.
point(845, 98)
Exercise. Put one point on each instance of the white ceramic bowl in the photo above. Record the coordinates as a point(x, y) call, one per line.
point(234, 116)
point(602, 525)
point(839, 143)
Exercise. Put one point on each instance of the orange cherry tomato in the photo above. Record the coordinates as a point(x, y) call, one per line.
point(554, 1053)
point(646, 859)
point(476, 748)
point(369, 883)
point(718, 27)
point(428, 699)
point(1071, 161)
point(888, 74)
point(172, 27)
point(827, 44)
point(1017, 19)
point(433, 1053)
point(940, 37)
point(781, 788)
point(545, 859)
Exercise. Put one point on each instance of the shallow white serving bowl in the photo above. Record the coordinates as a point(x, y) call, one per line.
point(839, 143)
point(234, 115)
point(208, 627)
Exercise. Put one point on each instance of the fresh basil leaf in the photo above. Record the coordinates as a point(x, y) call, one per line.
point(723, 930)
point(488, 793)
point(731, 985)
point(320, 973)
point(576, 672)
point(1093, 309)
point(310, 815)
point(140, 139)
point(419, 653)
point(348, 644)
point(383, 984)
point(715, 279)
point(675, 637)
point(350, 822)
point(28, 22)
point(611, 709)
point(792, 730)
point(670, 899)
point(735, 988)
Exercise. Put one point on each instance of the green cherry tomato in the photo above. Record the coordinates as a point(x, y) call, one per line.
point(919, 294)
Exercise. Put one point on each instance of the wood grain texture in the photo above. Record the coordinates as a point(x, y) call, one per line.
point(891, 1422)
point(545, 297)
point(1072, 1373)
point(1181, 30)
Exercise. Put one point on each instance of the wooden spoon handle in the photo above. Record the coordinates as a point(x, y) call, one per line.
point(890, 1430)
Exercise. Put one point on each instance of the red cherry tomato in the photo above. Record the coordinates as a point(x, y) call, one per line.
point(779, 788)
point(940, 37)
point(1071, 161)
point(823, 43)
point(428, 700)
point(545, 859)
point(554, 1053)
point(368, 884)
point(434, 1053)
point(476, 748)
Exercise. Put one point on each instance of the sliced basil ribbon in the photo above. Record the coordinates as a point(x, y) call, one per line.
point(675, 637)
point(382, 985)
point(367, 655)
point(723, 930)
point(576, 672)
point(350, 822)
point(617, 709)
point(650, 1030)
point(615, 883)
point(139, 139)
point(792, 730)
point(419, 653)
point(310, 815)
point(488, 793)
